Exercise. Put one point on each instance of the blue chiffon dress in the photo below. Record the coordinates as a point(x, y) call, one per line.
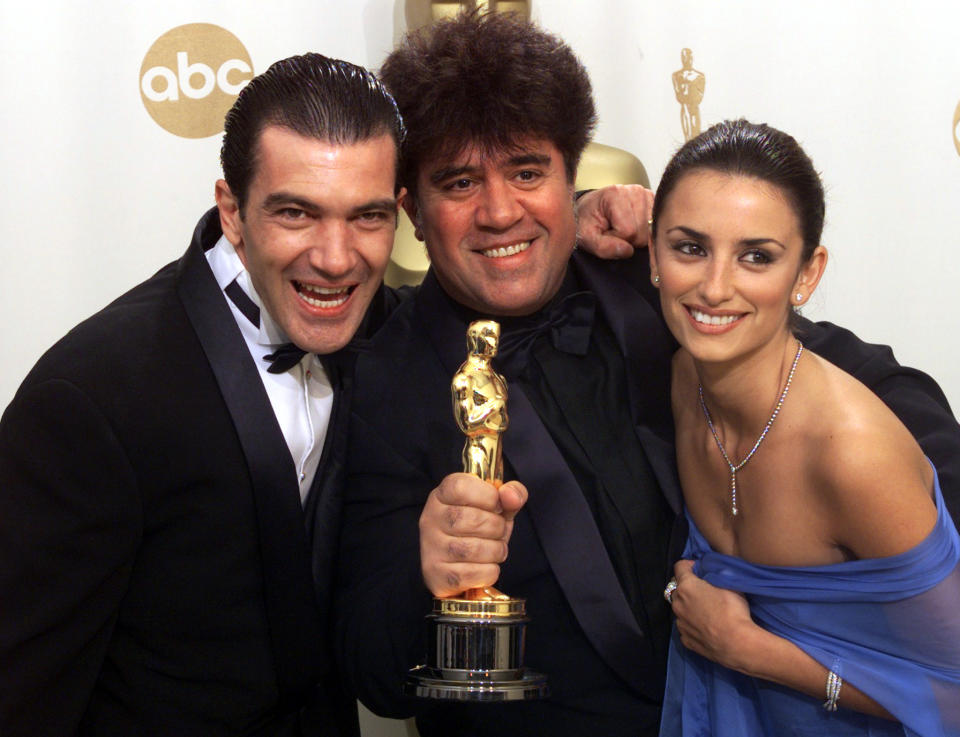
point(889, 626)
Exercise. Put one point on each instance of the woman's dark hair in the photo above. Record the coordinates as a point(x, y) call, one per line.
point(487, 79)
point(742, 148)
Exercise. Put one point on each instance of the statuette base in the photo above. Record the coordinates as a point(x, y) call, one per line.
point(475, 653)
point(427, 682)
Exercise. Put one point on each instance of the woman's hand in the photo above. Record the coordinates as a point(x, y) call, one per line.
point(711, 621)
point(716, 624)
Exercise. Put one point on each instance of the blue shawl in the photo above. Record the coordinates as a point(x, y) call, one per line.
point(889, 626)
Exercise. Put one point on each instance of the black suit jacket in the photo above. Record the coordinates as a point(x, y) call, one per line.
point(155, 570)
point(583, 635)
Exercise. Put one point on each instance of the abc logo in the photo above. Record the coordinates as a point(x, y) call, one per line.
point(191, 76)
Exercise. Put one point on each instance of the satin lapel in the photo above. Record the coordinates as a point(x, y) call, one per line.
point(447, 332)
point(323, 507)
point(571, 541)
point(291, 605)
point(647, 348)
point(323, 504)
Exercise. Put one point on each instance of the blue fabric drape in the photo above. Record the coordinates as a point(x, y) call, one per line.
point(890, 626)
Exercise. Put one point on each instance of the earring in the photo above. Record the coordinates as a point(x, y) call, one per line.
point(656, 279)
point(799, 297)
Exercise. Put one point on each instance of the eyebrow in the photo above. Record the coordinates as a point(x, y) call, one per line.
point(529, 158)
point(286, 198)
point(746, 241)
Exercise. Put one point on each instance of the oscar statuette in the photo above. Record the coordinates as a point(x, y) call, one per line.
point(476, 638)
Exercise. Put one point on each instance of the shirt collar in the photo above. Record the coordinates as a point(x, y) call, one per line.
point(227, 267)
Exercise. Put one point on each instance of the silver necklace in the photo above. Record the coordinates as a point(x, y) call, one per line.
point(766, 429)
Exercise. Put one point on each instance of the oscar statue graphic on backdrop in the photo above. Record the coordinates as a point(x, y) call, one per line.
point(688, 85)
point(956, 128)
point(476, 639)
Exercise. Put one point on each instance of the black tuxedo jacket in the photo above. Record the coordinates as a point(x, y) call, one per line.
point(155, 570)
point(583, 634)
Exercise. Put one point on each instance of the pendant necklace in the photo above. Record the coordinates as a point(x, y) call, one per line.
point(766, 429)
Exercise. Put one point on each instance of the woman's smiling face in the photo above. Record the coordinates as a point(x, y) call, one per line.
point(728, 252)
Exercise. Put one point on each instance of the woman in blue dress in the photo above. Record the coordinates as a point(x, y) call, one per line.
point(820, 590)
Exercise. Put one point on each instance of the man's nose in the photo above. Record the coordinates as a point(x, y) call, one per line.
point(331, 250)
point(499, 207)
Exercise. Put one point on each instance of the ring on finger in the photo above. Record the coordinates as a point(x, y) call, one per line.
point(668, 591)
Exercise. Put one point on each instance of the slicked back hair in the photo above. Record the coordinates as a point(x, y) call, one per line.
point(489, 80)
point(318, 97)
point(742, 148)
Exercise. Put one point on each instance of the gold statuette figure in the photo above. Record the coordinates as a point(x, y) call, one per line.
point(480, 408)
point(477, 637)
point(480, 403)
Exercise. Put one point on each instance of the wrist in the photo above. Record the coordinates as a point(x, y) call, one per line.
point(750, 650)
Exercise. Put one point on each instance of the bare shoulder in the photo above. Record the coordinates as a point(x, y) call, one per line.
point(867, 469)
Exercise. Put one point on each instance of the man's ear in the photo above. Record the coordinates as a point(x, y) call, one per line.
point(401, 196)
point(409, 204)
point(230, 218)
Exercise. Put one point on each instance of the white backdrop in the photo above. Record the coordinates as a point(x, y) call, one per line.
point(95, 196)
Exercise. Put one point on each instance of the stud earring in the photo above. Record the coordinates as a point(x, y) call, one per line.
point(799, 297)
point(656, 279)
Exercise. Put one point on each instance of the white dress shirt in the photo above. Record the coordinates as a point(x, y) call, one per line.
point(301, 397)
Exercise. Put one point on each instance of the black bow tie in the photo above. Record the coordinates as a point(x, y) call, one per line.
point(284, 358)
point(566, 321)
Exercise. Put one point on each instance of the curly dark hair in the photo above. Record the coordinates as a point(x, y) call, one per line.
point(487, 79)
point(313, 95)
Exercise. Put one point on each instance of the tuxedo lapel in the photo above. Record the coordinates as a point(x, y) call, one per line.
point(570, 538)
point(291, 605)
point(647, 349)
point(323, 506)
point(323, 503)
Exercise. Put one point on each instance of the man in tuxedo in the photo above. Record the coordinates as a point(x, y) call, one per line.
point(170, 471)
point(498, 113)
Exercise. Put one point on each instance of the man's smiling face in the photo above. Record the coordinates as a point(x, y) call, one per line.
point(316, 231)
point(499, 225)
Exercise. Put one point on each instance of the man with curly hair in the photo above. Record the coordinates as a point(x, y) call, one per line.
point(498, 112)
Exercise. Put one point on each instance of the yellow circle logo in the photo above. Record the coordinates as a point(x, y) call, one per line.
point(191, 76)
point(956, 128)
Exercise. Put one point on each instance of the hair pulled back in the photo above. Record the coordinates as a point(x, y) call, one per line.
point(742, 148)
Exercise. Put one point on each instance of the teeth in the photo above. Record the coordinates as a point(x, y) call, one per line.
point(706, 319)
point(323, 290)
point(506, 250)
point(325, 302)
point(335, 296)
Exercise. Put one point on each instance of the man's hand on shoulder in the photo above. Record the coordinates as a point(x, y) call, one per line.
point(614, 221)
point(464, 530)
